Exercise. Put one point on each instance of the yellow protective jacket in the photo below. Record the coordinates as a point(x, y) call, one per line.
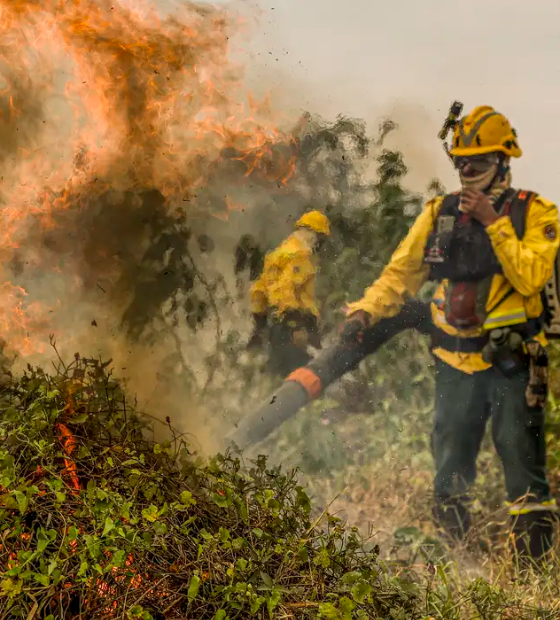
point(287, 282)
point(527, 266)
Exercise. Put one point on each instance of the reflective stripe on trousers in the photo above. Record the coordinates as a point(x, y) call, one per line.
point(523, 508)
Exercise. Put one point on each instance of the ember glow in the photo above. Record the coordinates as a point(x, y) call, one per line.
point(97, 96)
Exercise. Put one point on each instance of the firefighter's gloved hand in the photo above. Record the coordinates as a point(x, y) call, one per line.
point(353, 329)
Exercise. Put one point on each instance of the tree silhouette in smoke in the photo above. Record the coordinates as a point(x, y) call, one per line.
point(329, 167)
point(159, 168)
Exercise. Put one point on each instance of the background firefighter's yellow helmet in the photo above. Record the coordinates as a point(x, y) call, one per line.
point(316, 221)
point(484, 131)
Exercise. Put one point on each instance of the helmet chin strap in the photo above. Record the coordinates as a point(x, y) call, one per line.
point(503, 168)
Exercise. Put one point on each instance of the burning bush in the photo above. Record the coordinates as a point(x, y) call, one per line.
point(98, 520)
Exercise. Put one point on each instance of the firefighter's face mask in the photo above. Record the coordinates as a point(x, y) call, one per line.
point(477, 171)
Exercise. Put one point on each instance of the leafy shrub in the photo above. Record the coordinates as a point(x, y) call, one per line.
point(144, 532)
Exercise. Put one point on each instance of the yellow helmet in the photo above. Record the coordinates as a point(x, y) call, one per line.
point(484, 131)
point(316, 221)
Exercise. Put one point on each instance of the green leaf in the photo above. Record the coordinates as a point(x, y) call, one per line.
point(92, 545)
point(241, 564)
point(125, 510)
point(22, 501)
point(256, 604)
point(303, 500)
point(220, 500)
point(328, 611)
point(11, 587)
point(360, 591)
point(73, 533)
point(221, 615)
point(83, 569)
point(346, 607)
point(274, 505)
point(272, 601)
point(119, 557)
point(266, 580)
point(187, 498)
point(151, 513)
point(44, 580)
point(80, 419)
point(352, 577)
point(160, 528)
point(109, 525)
point(223, 535)
point(244, 512)
point(193, 587)
point(322, 558)
point(44, 539)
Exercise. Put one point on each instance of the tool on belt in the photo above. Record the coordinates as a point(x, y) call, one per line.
point(504, 350)
point(509, 352)
point(537, 389)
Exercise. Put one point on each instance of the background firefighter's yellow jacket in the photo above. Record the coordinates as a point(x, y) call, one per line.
point(287, 282)
point(527, 266)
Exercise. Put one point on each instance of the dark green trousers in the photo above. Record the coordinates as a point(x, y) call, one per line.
point(464, 404)
point(283, 355)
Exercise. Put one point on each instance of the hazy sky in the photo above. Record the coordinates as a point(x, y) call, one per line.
point(362, 57)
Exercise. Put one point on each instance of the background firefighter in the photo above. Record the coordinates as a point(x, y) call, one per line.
point(492, 250)
point(283, 299)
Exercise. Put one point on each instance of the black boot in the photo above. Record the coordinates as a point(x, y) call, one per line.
point(453, 518)
point(533, 535)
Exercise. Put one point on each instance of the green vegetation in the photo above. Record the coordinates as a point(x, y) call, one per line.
point(151, 533)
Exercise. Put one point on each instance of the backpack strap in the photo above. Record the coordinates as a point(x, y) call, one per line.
point(517, 207)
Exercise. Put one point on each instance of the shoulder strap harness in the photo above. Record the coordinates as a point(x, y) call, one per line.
point(515, 204)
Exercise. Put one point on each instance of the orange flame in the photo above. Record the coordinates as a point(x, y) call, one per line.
point(22, 326)
point(149, 101)
point(69, 445)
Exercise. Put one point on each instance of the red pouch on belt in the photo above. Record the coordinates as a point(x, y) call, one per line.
point(462, 305)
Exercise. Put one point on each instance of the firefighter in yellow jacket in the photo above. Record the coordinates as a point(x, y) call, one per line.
point(283, 297)
point(491, 249)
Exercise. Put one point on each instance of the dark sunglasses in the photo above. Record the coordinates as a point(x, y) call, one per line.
point(476, 163)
